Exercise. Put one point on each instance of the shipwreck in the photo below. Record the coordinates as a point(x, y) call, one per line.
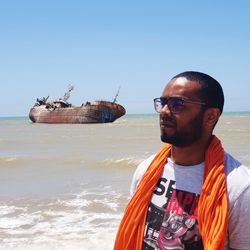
point(60, 110)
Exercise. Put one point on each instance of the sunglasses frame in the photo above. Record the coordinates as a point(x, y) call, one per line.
point(180, 100)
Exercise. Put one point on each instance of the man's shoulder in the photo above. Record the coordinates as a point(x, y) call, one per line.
point(142, 167)
point(238, 187)
point(139, 172)
point(238, 177)
point(234, 168)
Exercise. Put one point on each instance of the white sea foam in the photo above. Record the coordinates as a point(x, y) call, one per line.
point(7, 210)
point(66, 231)
point(101, 239)
point(76, 222)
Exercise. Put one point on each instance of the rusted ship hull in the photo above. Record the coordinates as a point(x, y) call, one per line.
point(95, 112)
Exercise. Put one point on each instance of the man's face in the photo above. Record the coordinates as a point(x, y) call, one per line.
point(185, 127)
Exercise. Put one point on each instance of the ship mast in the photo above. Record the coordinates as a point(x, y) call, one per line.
point(117, 93)
point(67, 94)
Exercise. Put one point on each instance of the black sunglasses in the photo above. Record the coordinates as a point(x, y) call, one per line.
point(175, 104)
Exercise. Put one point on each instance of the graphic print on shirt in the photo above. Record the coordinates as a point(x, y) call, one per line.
point(172, 219)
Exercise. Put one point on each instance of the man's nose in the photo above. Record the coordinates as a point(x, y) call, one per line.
point(165, 110)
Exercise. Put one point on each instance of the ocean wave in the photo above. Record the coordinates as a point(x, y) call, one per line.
point(8, 159)
point(102, 239)
point(83, 219)
point(8, 210)
point(130, 161)
point(20, 160)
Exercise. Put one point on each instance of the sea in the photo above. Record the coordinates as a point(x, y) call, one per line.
point(65, 186)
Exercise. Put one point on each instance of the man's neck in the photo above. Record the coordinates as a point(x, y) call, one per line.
point(190, 155)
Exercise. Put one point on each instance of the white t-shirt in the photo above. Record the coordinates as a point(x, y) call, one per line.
point(172, 213)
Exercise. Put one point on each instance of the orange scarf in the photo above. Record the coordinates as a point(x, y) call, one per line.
point(212, 206)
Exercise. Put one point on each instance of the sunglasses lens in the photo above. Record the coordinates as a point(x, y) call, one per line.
point(175, 105)
point(158, 105)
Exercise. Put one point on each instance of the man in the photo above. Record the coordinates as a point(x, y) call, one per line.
point(191, 194)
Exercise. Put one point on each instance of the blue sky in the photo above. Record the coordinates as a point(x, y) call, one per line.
point(139, 45)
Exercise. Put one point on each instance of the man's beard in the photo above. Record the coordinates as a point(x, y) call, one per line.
point(187, 137)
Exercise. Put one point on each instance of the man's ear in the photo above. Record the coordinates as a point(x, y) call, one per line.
point(211, 116)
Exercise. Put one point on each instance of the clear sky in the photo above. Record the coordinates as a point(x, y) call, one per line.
point(97, 46)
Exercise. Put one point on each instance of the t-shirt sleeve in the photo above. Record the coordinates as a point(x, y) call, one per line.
point(139, 172)
point(239, 214)
point(239, 226)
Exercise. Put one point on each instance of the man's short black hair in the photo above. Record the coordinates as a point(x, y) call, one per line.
point(211, 90)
